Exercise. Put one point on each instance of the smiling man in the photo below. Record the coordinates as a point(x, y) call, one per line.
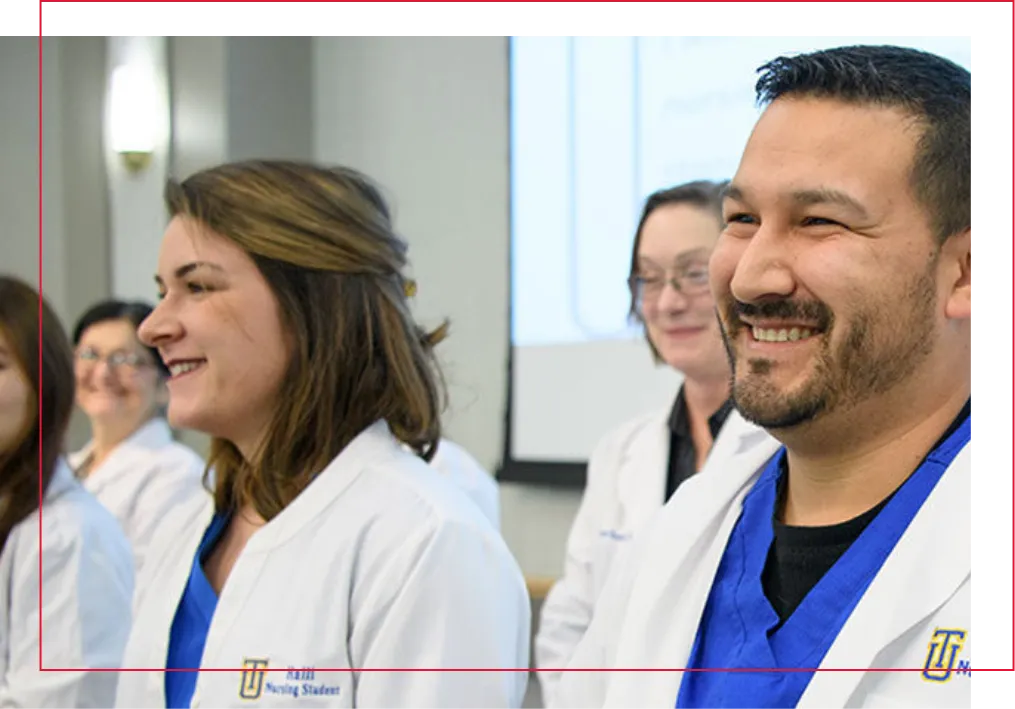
point(842, 282)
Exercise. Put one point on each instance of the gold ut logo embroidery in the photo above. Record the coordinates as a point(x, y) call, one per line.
point(252, 680)
point(942, 651)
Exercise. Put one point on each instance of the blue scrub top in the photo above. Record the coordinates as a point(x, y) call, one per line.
point(740, 630)
point(191, 623)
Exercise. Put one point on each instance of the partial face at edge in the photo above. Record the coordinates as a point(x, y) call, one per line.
point(678, 239)
point(15, 397)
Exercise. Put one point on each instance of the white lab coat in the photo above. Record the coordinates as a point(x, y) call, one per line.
point(465, 471)
point(649, 612)
point(87, 582)
point(142, 479)
point(625, 488)
point(379, 563)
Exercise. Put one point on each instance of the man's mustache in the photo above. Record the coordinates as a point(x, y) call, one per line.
point(811, 311)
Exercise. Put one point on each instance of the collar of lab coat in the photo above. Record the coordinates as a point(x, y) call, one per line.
point(150, 436)
point(641, 472)
point(739, 440)
point(644, 462)
point(61, 482)
point(691, 533)
point(373, 446)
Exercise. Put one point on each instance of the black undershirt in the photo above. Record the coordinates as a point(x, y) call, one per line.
point(683, 461)
point(800, 556)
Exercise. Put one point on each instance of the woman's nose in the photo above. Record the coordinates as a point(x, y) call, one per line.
point(159, 327)
point(671, 298)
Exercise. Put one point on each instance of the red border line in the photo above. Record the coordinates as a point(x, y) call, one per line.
point(1011, 472)
point(429, 2)
point(527, 669)
point(41, 374)
point(41, 4)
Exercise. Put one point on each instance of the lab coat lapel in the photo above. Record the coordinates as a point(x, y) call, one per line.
point(61, 481)
point(641, 478)
point(123, 460)
point(668, 598)
point(77, 458)
point(371, 446)
point(644, 469)
point(6, 572)
point(738, 437)
point(172, 573)
point(931, 561)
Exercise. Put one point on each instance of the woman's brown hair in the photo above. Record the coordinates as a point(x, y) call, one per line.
point(48, 364)
point(323, 240)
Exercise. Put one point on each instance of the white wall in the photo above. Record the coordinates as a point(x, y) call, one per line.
point(197, 80)
point(19, 155)
point(268, 97)
point(428, 119)
point(54, 235)
point(75, 253)
point(137, 215)
point(236, 98)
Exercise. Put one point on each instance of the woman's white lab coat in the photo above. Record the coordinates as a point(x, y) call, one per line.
point(649, 612)
point(381, 563)
point(625, 488)
point(142, 479)
point(465, 471)
point(87, 583)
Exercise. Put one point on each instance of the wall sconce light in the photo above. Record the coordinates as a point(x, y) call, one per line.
point(134, 115)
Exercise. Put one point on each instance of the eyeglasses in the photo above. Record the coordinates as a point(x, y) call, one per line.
point(114, 360)
point(690, 280)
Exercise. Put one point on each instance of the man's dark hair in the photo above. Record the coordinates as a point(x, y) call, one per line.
point(932, 89)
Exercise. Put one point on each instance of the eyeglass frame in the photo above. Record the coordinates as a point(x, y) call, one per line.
point(643, 287)
point(130, 360)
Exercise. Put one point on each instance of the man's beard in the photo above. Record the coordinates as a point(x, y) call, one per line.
point(879, 349)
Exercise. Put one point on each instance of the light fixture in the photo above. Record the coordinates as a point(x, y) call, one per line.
point(134, 115)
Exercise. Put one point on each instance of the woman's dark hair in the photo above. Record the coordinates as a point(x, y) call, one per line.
point(45, 357)
point(133, 312)
point(704, 194)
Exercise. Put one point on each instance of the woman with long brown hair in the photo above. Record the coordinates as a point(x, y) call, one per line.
point(331, 546)
point(77, 547)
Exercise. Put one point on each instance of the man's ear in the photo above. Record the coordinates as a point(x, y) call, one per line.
point(957, 257)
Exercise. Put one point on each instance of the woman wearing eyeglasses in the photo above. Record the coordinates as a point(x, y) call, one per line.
point(637, 467)
point(65, 570)
point(132, 464)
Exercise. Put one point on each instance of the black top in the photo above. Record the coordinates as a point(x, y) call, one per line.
point(683, 457)
point(800, 556)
